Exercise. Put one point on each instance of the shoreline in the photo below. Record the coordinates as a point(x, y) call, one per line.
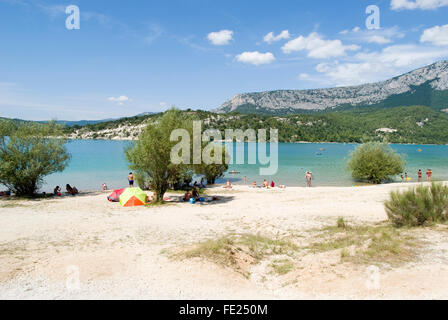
point(295, 142)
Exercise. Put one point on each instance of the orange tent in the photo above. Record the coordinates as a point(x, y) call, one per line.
point(132, 197)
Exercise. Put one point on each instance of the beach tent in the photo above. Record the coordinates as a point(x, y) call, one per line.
point(132, 197)
point(115, 196)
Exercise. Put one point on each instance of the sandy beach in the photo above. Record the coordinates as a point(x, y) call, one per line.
point(125, 252)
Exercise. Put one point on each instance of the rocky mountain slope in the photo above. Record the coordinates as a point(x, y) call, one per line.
point(425, 86)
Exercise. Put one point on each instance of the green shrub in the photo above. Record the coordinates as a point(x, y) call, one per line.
point(375, 162)
point(29, 152)
point(416, 207)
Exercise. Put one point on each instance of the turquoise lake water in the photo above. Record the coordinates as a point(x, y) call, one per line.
point(96, 161)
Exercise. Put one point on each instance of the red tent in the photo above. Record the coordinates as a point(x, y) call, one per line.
point(115, 196)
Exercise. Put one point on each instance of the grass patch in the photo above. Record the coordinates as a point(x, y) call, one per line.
point(239, 251)
point(367, 244)
point(282, 266)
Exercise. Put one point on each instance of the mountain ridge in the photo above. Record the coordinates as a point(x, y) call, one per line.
point(431, 80)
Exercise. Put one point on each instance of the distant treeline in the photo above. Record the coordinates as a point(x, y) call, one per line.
point(416, 124)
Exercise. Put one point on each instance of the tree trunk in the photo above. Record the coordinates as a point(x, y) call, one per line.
point(158, 195)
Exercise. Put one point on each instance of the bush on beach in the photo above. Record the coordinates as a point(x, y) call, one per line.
point(29, 152)
point(375, 162)
point(419, 206)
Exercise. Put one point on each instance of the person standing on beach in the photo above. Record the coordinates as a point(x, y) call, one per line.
point(131, 179)
point(419, 174)
point(309, 178)
point(406, 177)
point(429, 174)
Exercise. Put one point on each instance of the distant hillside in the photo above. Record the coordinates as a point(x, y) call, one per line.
point(426, 86)
point(413, 124)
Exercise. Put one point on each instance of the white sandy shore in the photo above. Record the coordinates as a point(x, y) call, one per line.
point(119, 251)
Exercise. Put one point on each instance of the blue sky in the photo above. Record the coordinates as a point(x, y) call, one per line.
point(135, 56)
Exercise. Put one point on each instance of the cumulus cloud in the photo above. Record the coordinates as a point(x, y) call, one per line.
point(270, 37)
point(255, 58)
point(437, 35)
point(417, 4)
point(119, 100)
point(318, 47)
point(220, 38)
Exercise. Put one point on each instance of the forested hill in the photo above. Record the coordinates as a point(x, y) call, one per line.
point(415, 124)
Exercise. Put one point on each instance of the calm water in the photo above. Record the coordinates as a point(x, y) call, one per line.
point(94, 162)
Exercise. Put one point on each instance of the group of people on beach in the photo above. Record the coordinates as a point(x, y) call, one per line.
point(419, 176)
point(69, 190)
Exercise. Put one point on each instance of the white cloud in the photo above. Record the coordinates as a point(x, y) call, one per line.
point(318, 47)
point(379, 40)
point(119, 100)
point(255, 58)
point(366, 67)
point(270, 37)
point(220, 38)
point(417, 4)
point(380, 36)
point(437, 35)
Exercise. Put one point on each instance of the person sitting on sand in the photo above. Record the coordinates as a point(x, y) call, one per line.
point(195, 193)
point(228, 184)
point(187, 196)
point(265, 184)
point(71, 190)
point(57, 191)
point(254, 184)
point(272, 184)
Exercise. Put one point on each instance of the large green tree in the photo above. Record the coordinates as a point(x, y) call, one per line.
point(29, 152)
point(375, 162)
point(150, 156)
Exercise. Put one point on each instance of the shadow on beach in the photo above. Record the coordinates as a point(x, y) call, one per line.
point(43, 197)
point(221, 199)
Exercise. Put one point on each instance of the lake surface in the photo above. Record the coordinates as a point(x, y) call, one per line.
point(97, 161)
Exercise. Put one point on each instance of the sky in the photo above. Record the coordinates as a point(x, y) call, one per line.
point(129, 57)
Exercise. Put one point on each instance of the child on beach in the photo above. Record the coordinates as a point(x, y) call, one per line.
point(131, 179)
point(429, 174)
point(228, 185)
point(57, 191)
